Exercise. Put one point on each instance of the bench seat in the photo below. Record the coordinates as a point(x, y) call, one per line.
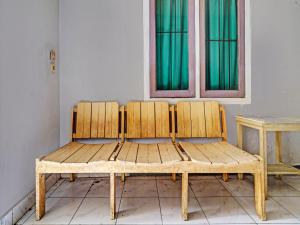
point(76, 152)
point(219, 153)
point(137, 153)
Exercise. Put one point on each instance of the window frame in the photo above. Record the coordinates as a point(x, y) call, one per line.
point(190, 93)
point(240, 93)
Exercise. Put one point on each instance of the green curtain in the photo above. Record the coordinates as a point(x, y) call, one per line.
point(171, 18)
point(221, 44)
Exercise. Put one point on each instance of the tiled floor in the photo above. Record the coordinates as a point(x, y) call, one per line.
point(156, 200)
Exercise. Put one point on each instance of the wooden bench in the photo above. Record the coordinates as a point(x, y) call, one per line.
point(155, 121)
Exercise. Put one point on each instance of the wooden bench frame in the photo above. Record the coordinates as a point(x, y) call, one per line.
point(184, 167)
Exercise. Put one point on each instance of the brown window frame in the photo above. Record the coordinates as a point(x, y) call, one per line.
point(240, 93)
point(190, 93)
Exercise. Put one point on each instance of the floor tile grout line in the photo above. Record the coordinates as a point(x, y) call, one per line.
point(62, 181)
point(284, 207)
point(199, 203)
point(237, 201)
point(45, 201)
point(81, 202)
point(121, 197)
point(161, 218)
point(234, 197)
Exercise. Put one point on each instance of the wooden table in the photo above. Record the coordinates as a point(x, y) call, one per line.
point(264, 125)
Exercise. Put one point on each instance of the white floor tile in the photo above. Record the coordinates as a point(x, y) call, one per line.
point(292, 204)
point(54, 187)
point(100, 188)
point(238, 187)
point(171, 211)
point(224, 210)
point(94, 211)
point(208, 188)
point(58, 211)
point(278, 188)
point(139, 211)
point(75, 189)
point(293, 181)
point(140, 188)
point(169, 188)
point(275, 212)
point(26, 216)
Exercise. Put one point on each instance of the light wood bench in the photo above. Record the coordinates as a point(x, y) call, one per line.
point(149, 120)
point(90, 120)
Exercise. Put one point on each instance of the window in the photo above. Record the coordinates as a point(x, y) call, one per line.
point(222, 44)
point(172, 48)
point(198, 49)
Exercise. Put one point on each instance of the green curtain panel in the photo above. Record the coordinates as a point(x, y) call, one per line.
point(221, 22)
point(172, 56)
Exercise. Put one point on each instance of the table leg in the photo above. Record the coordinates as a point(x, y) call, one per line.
point(263, 154)
point(239, 129)
point(278, 155)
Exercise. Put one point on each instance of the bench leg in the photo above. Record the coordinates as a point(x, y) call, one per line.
point(225, 177)
point(40, 186)
point(123, 177)
point(240, 176)
point(260, 204)
point(112, 196)
point(173, 177)
point(185, 196)
point(72, 177)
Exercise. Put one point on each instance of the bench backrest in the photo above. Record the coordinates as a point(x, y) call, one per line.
point(147, 120)
point(200, 120)
point(96, 120)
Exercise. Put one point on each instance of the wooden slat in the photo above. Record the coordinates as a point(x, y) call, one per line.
point(84, 154)
point(63, 153)
point(168, 153)
point(212, 118)
point(108, 121)
point(98, 120)
point(282, 169)
point(147, 120)
point(132, 153)
point(153, 153)
point(134, 120)
point(184, 119)
point(124, 151)
point(111, 120)
point(105, 152)
point(216, 157)
point(101, 120)
point(194, 153)
point(94, 123)
point(87, 120)
point(162, 119)
point(234, 152)
point(198, 119)
point(83, 123)
point(143, 154)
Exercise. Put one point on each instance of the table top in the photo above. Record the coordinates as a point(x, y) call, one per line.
point(269, 119)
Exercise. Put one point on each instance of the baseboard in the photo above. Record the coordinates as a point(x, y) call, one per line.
point(20, 209)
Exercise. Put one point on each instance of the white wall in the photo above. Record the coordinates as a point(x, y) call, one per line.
point(102, 50)
point(29, 94)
